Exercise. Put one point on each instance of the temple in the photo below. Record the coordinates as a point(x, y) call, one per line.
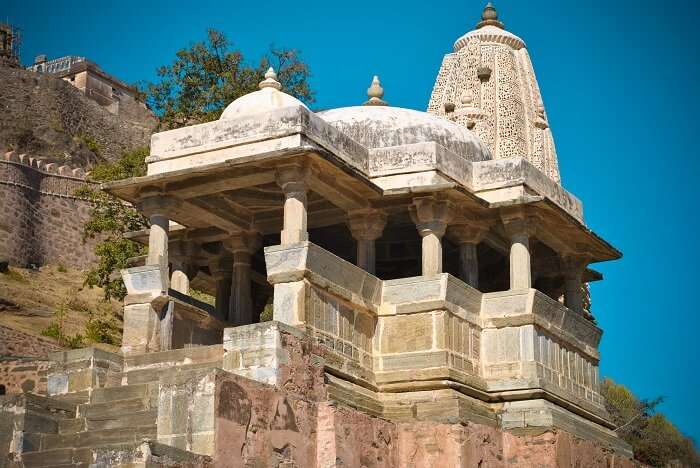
point(421, 268)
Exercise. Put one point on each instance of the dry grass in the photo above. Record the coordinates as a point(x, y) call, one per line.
point(30, 298)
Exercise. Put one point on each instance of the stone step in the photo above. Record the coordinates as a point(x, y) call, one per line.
point(96, 438)
point(116, 408)
point(142, 376)
point(135, 419)
point(125, 392)
point(58, 457)
point(123, 455)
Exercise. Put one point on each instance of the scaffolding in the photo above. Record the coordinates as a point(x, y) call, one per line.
point(10, 39)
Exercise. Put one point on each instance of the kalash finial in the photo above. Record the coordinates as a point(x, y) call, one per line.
point(489, 17)
point(375, 93)
point(270, 80)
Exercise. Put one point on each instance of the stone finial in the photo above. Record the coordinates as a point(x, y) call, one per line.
point(270, 80)
point(375, 93)
point(489, 17)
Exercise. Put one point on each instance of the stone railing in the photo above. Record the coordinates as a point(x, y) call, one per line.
point(334, 300)
point(533, 341)
point(429, 328)
point(156, 318)
point(435, 331)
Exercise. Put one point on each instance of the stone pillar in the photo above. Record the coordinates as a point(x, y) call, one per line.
point(155, 207)
point(573, 267)
point(242, 245)
point(222, 271)
point(518, 228)
point(366, 227)
point(467, 238)
point(182, 255)
point(292, 181)
point(431, 216)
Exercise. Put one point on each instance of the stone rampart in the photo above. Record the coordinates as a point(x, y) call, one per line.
point(41, 218)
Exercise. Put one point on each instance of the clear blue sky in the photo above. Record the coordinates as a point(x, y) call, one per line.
point(619, 81)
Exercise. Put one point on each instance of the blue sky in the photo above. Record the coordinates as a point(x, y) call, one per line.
point(619, 82)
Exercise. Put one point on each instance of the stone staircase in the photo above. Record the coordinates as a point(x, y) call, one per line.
point(114, 425)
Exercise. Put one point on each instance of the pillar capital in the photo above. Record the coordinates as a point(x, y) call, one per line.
point(470, 233)
point(517, 221)
point(243, 242)
point(221, 267)
point(431, 215)
point(156, 204)
point(293, 179)
point(367, 224)
point(572, 266)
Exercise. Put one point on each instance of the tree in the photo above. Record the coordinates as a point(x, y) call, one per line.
point(654, 439)
point(205, 77)
point(202, 80)
point(110, 219)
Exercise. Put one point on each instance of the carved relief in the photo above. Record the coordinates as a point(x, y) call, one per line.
point(505, 108)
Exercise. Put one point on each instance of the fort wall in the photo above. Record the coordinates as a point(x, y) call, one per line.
point(41, 218)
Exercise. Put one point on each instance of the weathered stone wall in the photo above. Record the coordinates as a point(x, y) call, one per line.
point(14, 343)
point(23, 375)
point(41, 219)
point(48, 117)
point(20, 370)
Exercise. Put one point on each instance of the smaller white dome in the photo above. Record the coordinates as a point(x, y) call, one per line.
point(268, 98)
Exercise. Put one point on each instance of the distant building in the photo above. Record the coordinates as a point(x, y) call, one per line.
point(9, 43)
point(89, 78)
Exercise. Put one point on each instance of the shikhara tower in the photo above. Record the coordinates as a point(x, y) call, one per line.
point(425, 273)
point(488, 84)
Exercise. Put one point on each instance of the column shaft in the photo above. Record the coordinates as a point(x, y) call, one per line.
point(179, 280)
point(432, 254)
point(520, 270)
point(241, 303)
point(366, 255)
point(158, 242)
point(223, 296)
point(295, 228)
point(468, 264)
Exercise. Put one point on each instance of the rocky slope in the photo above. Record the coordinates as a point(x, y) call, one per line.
point(48, 118)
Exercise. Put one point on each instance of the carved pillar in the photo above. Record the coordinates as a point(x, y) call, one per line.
point(182, 255)
point(242, 245)
point(573, 267)
point(431, 216)
point(467, 238)
point(366, 227)
point(154, 207)
point(518, 228)
point(292, 181)
point(222, 271)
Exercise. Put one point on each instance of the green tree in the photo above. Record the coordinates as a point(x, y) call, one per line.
point(205, 77)
point(110, 219)
point(654, 439)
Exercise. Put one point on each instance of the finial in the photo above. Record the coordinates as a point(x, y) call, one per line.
point(270, 80)
point(489, 17)
point(375, 93)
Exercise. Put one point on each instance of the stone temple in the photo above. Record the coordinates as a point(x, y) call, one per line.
point(426, 273)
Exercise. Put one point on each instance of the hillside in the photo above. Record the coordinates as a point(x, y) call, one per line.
point(47, 118)
point(34, 301)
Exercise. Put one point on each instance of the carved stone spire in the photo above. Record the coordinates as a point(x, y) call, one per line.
point(489, 17)
point(488, 85)
point(375, 93)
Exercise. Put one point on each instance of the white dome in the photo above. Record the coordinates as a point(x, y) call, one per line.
point(264, 100)
point(383, 126)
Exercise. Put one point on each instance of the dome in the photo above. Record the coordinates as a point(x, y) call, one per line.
point(383, 126)
point(268, 98)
